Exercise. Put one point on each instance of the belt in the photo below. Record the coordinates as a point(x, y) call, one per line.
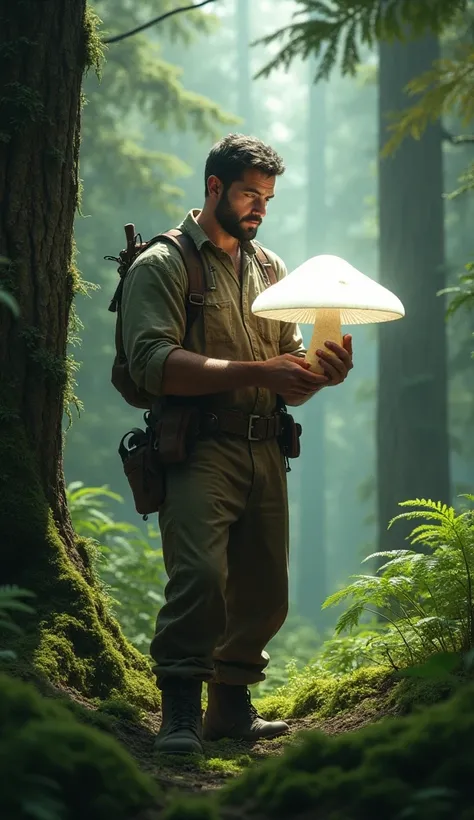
point(245, 425)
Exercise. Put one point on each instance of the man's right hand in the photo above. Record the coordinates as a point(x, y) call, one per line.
point(290, 376)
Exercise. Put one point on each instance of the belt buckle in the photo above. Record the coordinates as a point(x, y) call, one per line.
point(252, 419)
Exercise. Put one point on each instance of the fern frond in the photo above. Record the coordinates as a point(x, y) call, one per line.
point(393, 554)
point(426, 502)
point(350, 618)
point(410, 560)
point(10, 598)
point(447, 514)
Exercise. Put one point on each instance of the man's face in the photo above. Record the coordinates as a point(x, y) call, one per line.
point(240, 210)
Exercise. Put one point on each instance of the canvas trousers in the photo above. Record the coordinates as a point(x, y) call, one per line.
point(224, 529)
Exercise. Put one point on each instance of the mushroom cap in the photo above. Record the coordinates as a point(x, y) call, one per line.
point(328, 281)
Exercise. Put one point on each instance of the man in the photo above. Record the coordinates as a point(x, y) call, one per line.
point(224, 523)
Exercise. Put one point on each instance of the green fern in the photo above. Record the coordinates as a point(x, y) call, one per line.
point(343, 27)
point(11, 303)
point(11, 600)
point(123, 558)
point(424, 598)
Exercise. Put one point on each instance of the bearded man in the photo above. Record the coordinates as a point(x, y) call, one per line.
point(224, 521)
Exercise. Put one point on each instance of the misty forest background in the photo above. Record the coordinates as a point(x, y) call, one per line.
point(401, 426)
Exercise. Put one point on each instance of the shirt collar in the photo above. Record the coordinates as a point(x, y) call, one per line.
point(199, 237)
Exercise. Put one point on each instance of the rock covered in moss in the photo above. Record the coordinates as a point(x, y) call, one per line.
point(52, 766)
point(420, 766)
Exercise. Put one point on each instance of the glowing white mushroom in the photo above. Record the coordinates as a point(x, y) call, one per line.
point(327, 292)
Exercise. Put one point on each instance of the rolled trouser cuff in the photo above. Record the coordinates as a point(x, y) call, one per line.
point(183, 668)
point(234, 673)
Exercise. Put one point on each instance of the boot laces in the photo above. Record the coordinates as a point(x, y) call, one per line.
point(251, 708)
point(184, 712)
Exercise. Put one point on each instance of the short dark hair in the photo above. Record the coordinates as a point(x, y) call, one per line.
point(235, 153)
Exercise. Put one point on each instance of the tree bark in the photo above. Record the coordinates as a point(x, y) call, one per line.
point(43, 59)
point(71, 638)
point(412, 428)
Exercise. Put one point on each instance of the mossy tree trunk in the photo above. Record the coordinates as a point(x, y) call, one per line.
point(412, 425)
point(43, 57)
point(44, 50)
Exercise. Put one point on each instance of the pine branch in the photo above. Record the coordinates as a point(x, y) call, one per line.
point(156, 20)
point(351, 24)
point(460, 139)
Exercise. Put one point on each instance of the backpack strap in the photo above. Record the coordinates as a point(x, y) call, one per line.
point(266, 266)
point(195, 269)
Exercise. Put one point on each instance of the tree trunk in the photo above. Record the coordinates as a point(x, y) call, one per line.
point(244, 75)
point(312, 564)
point(412, 429)
point(43, 54)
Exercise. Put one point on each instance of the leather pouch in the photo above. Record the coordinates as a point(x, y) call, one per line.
point(290, 437)
point(176, 431)
point(144, 472)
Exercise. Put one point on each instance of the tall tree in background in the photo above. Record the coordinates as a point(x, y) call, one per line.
point(312, 564)
point(244, 74)
point(412, 429)
point(131, 172)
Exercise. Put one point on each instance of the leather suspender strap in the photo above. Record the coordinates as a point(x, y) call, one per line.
point(195, 270)
point(266, 266)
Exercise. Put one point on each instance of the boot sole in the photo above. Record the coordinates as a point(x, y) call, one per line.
point(178, 752)
point(212, 738)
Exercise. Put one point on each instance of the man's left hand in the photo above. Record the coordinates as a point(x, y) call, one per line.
point(338, 363)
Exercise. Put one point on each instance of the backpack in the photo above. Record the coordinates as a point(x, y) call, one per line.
point(193, 263)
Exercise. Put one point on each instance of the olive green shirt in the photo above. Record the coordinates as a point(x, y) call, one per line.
point(154, 316)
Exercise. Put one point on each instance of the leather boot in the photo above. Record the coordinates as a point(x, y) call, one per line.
point(230, 714)
point(181, 725)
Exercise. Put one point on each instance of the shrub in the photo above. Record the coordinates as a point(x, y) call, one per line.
point(54, 768)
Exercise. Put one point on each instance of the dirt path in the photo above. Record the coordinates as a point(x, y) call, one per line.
point(225, 759)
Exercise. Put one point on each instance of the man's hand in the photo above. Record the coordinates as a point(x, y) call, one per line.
point(337, 366)
point(290, 377)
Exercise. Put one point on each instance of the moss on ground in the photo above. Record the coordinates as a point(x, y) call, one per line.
point(52, 766)
point(71, 639)
point(325, 696)
point(414, 766)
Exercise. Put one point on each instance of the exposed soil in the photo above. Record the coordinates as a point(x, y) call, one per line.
point(223, 760)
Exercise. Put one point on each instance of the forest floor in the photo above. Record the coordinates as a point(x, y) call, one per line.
point(224, 759)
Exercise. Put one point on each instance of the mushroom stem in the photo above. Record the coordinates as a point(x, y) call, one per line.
point(327, 328)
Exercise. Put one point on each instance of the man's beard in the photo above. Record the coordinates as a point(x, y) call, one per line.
point(230, 222)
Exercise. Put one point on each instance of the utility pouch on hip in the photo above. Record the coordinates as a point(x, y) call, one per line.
point(170, 433)
point(290, 436)
point(143, 470)
point(176, 430)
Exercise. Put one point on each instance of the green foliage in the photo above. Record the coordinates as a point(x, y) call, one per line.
point(344, 26)
point(6, 298)
point(464, 292)
point(120, 708)
point(447, 88)
point(129, 567)
point(54, 768)
point(424, 597)
point(138, 87)
point(187, 808)
point(289, 650)
point(11, 303)
point(416, 766)
point(11, 601)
